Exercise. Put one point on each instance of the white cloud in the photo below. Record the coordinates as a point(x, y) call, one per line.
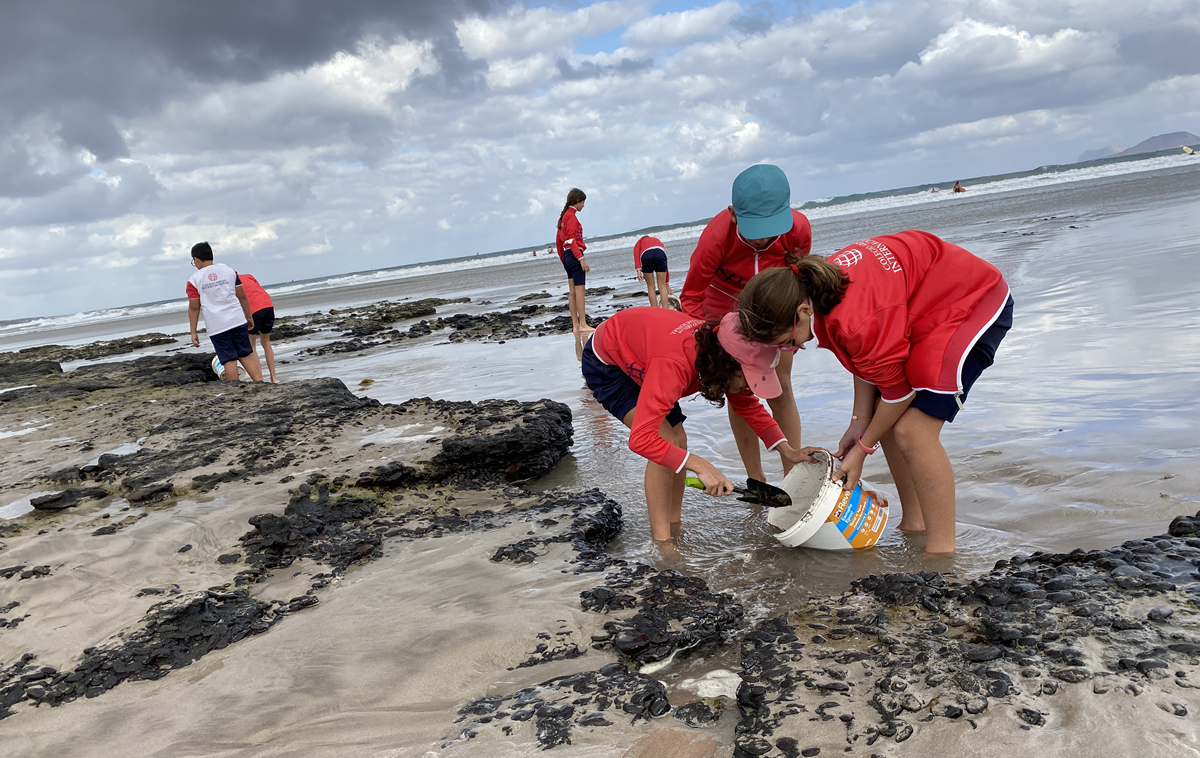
point(674, 29)
point(523, 31)
point(178, 240)
point(316, 249)
point(379, 152)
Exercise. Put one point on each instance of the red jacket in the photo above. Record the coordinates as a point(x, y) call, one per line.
point(570, 235)
point(642, 245)
point(656, 347)
point(915, 306)
point(722, 264)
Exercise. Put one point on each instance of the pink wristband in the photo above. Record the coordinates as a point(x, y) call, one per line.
point(864, 448)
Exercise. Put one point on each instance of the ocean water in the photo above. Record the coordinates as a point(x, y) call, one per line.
point(1083, 434)
point(24, 332)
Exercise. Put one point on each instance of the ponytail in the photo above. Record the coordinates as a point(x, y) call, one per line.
point(768, 304)
point(714, 366)
point(574, 197)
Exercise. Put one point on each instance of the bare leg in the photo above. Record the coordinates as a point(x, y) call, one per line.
point(650, 291)
point(661, 484)
point(660, 278)
point(580, 298)
point(917, 434)
point(252, 366)
point(747, 445)
point(911, 518)
point(269, 354)
point(573, 305)
point(783, 408)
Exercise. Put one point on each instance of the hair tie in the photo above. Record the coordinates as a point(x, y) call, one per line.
point(795, 269)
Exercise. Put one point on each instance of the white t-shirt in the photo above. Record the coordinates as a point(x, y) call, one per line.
point(215, 286)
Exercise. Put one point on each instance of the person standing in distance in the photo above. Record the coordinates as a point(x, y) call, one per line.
point(216, 291)
point(650, 263)
point(757, 232)
point(569, 242)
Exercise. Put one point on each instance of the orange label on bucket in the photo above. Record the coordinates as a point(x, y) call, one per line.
point(859, 516)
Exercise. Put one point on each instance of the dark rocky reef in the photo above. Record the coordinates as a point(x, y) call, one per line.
point(495, 326)
point(147, 371)
point(256, 431)
point(905, 649)
point(89, 352)
point(557, 706)
point(493, 440)
point(17, 372)
point(173, 634)
point(675, 614)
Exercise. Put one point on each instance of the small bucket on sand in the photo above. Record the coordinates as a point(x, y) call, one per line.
point(825, 516)
point(219, 368)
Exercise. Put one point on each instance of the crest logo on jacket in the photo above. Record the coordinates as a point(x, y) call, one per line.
point(847, 258)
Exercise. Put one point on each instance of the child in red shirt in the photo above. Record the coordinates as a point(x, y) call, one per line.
point(758, 231)
point(916, 320)
point(569, 241)
point(650, 263)
point(641, 361)
point(262, 310)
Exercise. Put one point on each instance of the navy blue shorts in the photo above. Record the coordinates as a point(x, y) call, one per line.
point(654, 260)
point(613, 388)
point(264, 321)
point(982, 355)
point(575, 272)
point(232, 344)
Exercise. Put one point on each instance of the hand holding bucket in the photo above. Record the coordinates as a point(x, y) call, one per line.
point(824, 515)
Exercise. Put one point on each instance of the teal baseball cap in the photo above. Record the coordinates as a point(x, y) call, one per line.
point(762, 202)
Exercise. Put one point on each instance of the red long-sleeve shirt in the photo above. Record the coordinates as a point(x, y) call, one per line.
point(722, 263)
point(915, 306)
point(570, 235)
point(641, 246)
point(656, 347)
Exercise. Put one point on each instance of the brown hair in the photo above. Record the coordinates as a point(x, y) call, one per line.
point(768, 305)
point(714, 366)
point(574, 197)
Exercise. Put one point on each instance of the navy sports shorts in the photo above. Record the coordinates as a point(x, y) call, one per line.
point(264, 321)
point(613, 388)
point(232, 344)
point(654, 260)
point(982, 354)
point(575, 272)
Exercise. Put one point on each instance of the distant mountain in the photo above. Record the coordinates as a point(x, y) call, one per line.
point(1104, 152)
point(1152, 145)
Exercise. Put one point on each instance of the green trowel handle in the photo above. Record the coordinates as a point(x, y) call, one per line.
point(694, 481)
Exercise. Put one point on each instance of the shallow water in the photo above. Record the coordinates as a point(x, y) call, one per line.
point(1083, 434)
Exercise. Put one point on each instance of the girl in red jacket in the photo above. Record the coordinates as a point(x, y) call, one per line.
point(650, 263)
point(641, 361)
point(916, 320)
point(569, 242)
point(758, 231)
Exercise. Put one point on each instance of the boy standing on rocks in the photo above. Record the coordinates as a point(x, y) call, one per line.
point(217, 290)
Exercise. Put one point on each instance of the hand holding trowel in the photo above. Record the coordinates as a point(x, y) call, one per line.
point(759, 493)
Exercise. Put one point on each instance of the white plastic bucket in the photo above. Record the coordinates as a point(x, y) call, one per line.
point(219, 368)
point(825, 516)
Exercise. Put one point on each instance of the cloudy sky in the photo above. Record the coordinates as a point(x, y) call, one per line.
point(306, 138)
